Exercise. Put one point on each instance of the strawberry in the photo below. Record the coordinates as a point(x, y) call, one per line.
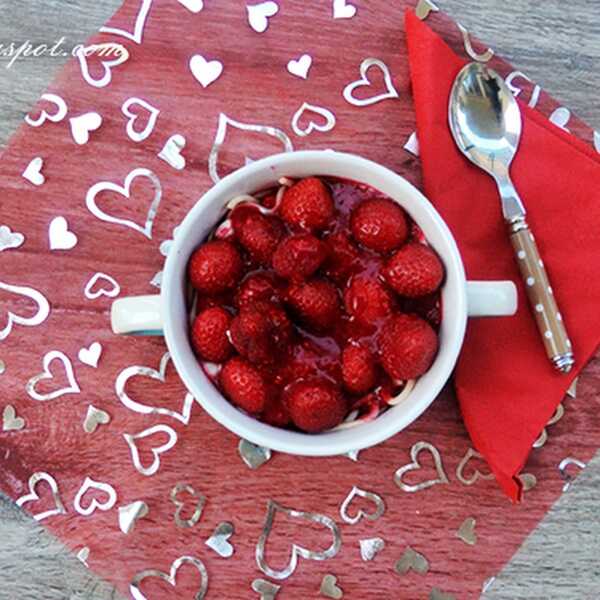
point(244, 385)
point(343, 259)
point(261, 332)
point(258, 234)
point(299, 256)
point(257, 287)
point(275, 412)
point(379, 224)
point(358, 369)
point(307, 204)
point(414, 271)
point(215, 267)
point(407, 346)
point(316, 302)
point(209, 334)
point(368, 300)
point(315, 405)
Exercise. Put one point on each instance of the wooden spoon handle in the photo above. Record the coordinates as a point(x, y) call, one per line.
point(541, 297)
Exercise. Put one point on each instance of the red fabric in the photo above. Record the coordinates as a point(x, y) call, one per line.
point(505, 384)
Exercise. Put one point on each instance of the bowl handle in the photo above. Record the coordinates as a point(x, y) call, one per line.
point(491, 298)
point(137, 315)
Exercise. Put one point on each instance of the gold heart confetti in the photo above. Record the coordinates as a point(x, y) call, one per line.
point(466, 532)
point(415, 465)
point(472, 479)
point(411, 560)
point(200, 501)
point(10, 421)
point(373, 516)
point(266, 589)
point(330, 589)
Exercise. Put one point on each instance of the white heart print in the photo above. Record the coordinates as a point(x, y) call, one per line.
point(343, 10)
point(259, 14)
point(300, 67)
point(171, 152)
point(83, 125)
point(33, 171)
point(59, 235)
point(205, 72)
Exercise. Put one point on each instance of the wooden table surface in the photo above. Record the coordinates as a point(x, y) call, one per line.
point(557, 44)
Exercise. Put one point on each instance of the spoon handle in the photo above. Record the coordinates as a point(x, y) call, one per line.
point(541, 297)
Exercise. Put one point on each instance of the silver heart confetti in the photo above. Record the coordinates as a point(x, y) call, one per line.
point(128, 515)
point(72, 388)
point(10, 421)
point(33, 171)
point(94, 418)
point(132, 132)
point(259, 15)
point(171, 152)
point(83, 555)
point(535, 95)
point(125, 190)
point(97, 287)
point(528, 480)
point(170, 578)
point(253, 456)
point(369, 548)
point(90, 356)
point(194, 6)
point(83, 125)
point(572, 391)
point(466, 532)
point(2, 367)
point(41, 314)
point(411, 560)
point(219, 540)
point(297, 551)
point(373, 516)
point(325, 113)
point(109, 48)
point(56, 117)
point(224, 123)
point(366, 64)
point(353, 455)
point(472, 479)
point(139, 371)
point(59, 235)
point(10, 239)
point(559, 413)
point(412, 144)
point(343, 9)
point(561, 117)
point(138, 29)
point(266, 589)
point(567, 477)
point(156, 452)
point(415, 465)
point(425, 8)
point(200, 502)
point(59, 507)
point(205, 71)
point(88, 485)
point(330, 589)
point(482, 57)
point(301, 66)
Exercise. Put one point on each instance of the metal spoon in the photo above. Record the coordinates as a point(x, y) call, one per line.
point(486, 123)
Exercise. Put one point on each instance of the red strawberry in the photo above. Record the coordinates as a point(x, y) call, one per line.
point(299, 256)
point(407, 346)
point(367, 300)
point(315, 405)
point(343, 259)
point(261, 332)
point(414, 270)
point(215, 267)
point(258, 234)
point(358, 369)
point(307, 204)
point(379, 224)
point(275, 412)
point(244, 385)
point(316, 303)
point(209, 335)
point(257, 287)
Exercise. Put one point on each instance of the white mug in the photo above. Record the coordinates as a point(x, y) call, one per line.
point(168, 312)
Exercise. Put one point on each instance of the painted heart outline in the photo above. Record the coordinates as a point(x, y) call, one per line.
point(156, 452)
point(13, 319)
point(33, 496)
point(360, 514)
point(125, 190)
point(49, 357)
point(171, 577)
point(364, 80)
point(134, 371)
point(416, 465)
point(297, 551)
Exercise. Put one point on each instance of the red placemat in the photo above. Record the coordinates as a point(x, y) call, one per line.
point(254, 89)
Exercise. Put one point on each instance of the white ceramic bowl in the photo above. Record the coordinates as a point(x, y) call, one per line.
point(168, 312)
